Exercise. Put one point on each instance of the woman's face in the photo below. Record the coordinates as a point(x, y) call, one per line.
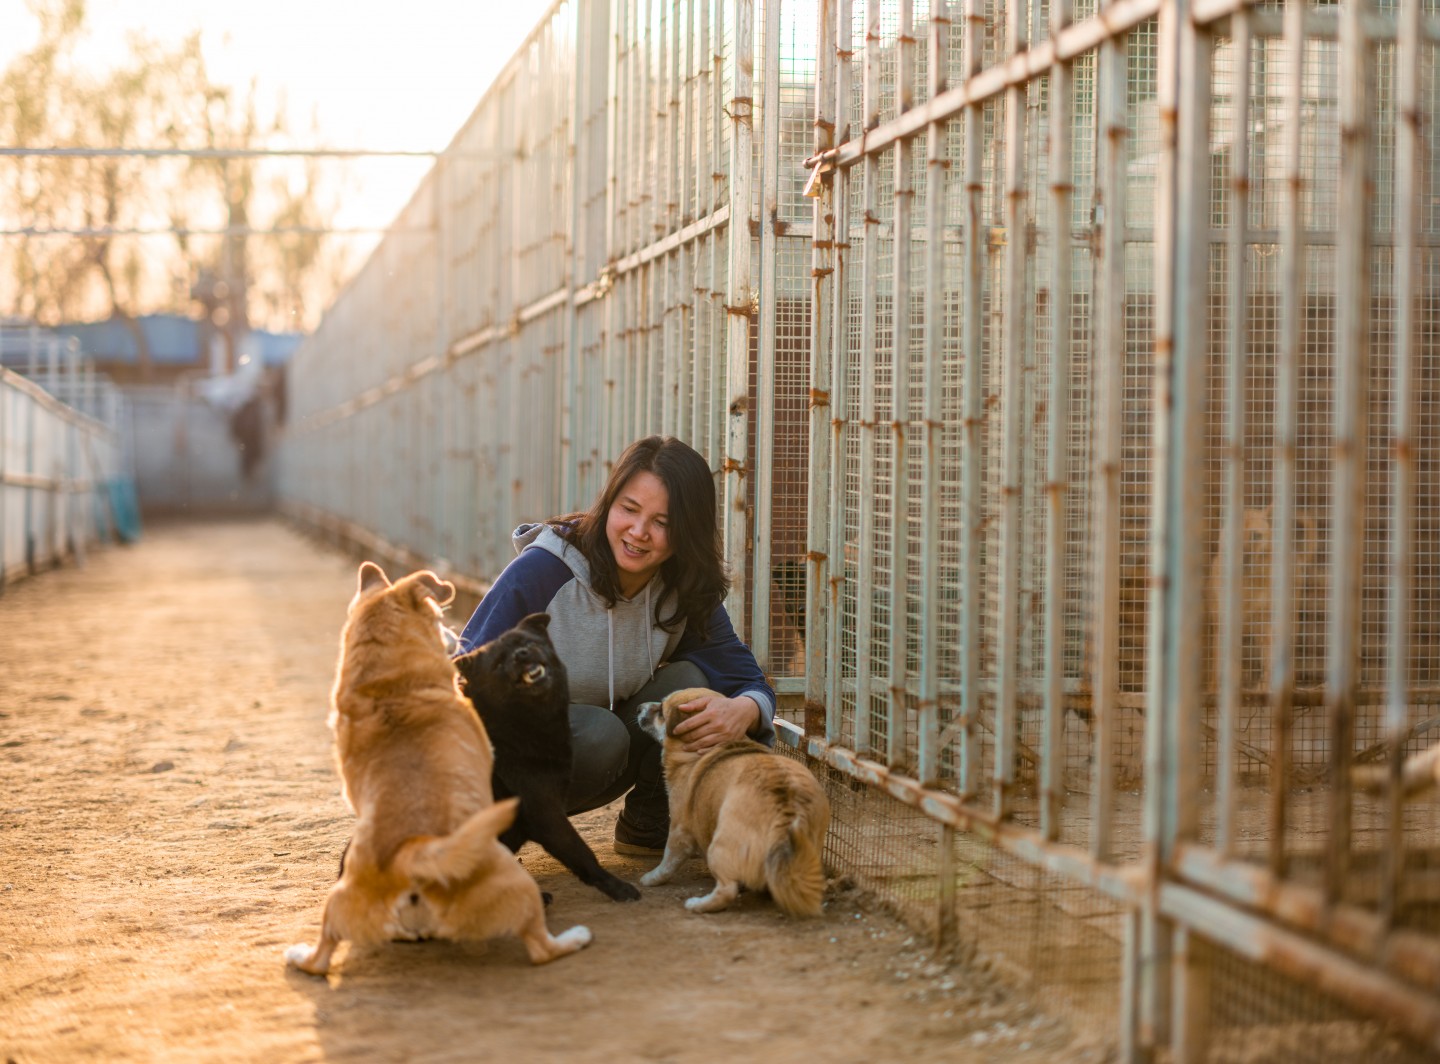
point(637, 530)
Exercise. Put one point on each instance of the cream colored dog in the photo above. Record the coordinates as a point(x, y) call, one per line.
point(424, 860)
point(759, 818)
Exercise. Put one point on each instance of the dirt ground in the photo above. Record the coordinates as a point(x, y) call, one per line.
point(170, 819)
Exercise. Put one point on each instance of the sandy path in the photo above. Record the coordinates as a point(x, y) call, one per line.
point(170, 819)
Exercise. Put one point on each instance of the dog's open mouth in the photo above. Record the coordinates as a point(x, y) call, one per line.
point(534, 674)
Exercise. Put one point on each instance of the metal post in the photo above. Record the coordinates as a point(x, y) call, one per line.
point(765, 375)
point(1154, 976)
point(818, 656)
point(1231, 629)
point(897, 710)
point(1111, 91)
point(442, 538)
point(933, 424)
point(737, 299)
point(869, 295)
point(838, 564)
point(689, 253)
point(1410, 151)
point(1352, 407)
point(579, 167)
point(1186, 501)
point(1012, 352)
point(1287, 377)
point(971, 488)
point(1062, 116)
point(614, 217)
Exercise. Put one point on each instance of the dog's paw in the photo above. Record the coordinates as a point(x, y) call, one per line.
point(578, 937)
point(619, 890)
point(300, 957)
point(653, 878)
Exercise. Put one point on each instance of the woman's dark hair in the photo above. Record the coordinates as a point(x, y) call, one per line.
point(695, 570)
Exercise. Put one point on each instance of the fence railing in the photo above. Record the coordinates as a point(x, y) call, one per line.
point(1066, 371)
point(64, 485)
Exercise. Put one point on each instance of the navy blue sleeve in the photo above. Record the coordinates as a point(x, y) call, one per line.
point(731, 669)
point(525, 586)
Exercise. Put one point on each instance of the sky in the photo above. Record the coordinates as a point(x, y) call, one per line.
point(380, 76)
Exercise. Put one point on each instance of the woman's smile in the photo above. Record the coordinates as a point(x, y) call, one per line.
point(637, 530)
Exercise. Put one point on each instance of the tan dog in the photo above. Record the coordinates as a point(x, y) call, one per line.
point(760, 819)
point(424, 860)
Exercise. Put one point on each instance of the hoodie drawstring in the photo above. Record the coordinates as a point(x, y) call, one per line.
point(610, 632)
point(649, 649)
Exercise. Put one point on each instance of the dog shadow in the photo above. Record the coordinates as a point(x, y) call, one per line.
point(431, 987)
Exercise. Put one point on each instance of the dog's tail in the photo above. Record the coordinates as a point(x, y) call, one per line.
point(447, 859)
point(793, 872)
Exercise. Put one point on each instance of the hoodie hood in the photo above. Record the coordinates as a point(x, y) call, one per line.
point(609, 653)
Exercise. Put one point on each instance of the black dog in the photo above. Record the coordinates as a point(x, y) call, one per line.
point(519, 687)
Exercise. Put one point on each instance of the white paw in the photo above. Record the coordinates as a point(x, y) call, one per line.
point(697, 905)
point(298, 955)
point(577, 937)
point(653, 877)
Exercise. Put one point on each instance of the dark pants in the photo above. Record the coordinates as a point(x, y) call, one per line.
point(613, 756)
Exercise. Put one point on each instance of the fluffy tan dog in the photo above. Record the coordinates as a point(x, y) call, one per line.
point(424, 860)
point(759, 818)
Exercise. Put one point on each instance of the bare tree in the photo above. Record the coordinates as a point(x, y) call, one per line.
point(160, 95)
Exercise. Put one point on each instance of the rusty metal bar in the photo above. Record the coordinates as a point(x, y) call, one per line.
point(1411, 150)
point(765, 371)
point(898, 703)
point(1011, 73)
point(1230, 639)
point(824, 283)
point(869, 296)
point(1352, 402)
point(932, 421)
point(1190, 330)
point(1321, 24)
point(1062, 120)
point(1287, 376)
point(570, 419)
point(1161, 814)
point(1111, 91)
point(839, 564)
point(737, 308)
point(1186, 500)
point(1013, 388)
point(1414, 1011)
point(971, 485)
point(1363, 934)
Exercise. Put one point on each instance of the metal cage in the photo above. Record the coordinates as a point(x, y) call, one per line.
point(1065, 369)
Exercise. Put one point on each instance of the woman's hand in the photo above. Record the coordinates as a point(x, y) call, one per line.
point(716, 719)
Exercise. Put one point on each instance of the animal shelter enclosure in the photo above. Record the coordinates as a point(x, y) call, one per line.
point(1069, 376)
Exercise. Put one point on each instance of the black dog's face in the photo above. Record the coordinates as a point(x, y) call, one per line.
point(519, 663)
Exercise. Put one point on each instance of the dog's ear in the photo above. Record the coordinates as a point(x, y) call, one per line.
point(672, 705)
point(371, 577)
point(536, 623)
point(432, 587)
